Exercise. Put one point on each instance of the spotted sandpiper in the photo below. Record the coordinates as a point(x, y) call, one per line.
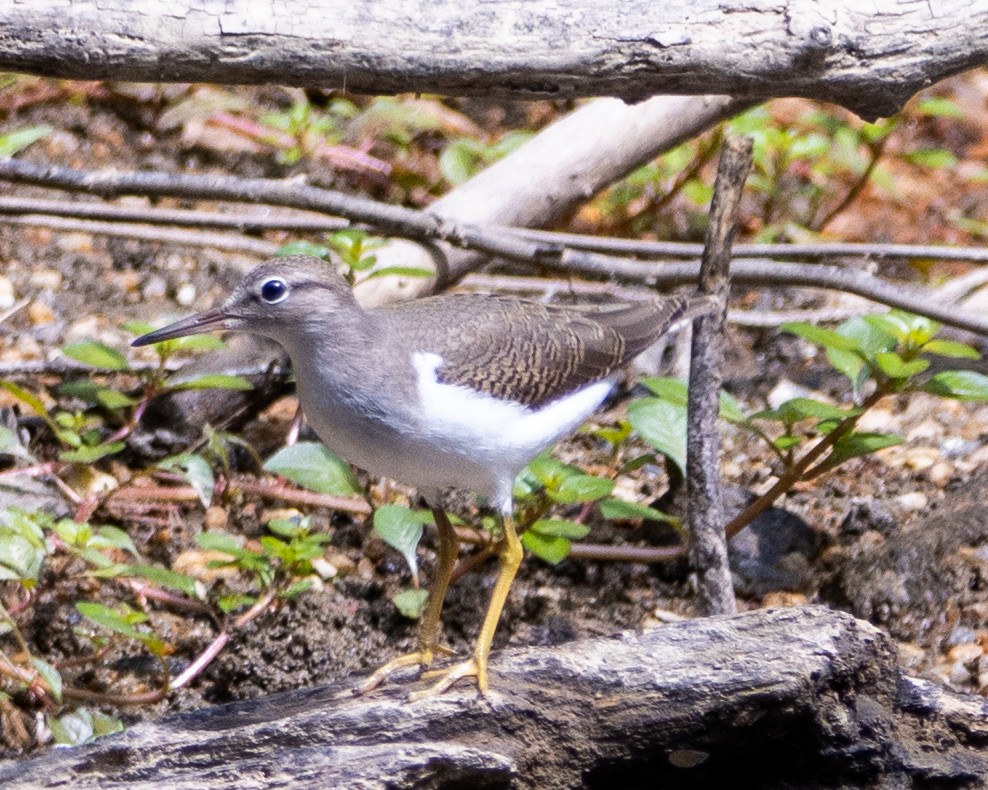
point(452, 391)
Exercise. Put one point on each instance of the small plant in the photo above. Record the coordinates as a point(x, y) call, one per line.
point(355, 249)
point(110, 415)
point(280, 567)
point(881, 355)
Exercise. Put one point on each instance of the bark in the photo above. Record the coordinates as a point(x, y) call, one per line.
point(789, 697)
point(704, 505)
point(870, 57)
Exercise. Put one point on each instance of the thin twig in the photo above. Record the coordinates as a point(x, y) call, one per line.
point(424, 226)
point(306, 222)
point(295, 496)
point(708, 545)
point(177, 238)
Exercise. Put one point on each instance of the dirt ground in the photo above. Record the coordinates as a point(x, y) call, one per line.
point(869, 538)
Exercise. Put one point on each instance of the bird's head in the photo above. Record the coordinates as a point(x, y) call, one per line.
point(280, 299)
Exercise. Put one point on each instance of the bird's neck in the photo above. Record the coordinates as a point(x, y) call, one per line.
point(334, 349)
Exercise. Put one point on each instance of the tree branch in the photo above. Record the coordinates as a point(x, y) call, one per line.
point(868, 57)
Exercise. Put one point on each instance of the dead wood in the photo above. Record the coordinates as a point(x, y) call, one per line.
point(785, 697)
point(869, 57)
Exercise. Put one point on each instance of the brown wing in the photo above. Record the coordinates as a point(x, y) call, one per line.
point(526, 351)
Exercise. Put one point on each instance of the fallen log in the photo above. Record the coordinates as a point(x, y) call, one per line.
point(801, 697)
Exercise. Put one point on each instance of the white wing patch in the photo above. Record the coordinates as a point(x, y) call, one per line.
point(504, 434)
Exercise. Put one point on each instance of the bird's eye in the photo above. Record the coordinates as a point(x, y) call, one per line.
point(274, 290)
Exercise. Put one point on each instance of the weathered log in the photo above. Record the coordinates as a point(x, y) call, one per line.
point(869, 57)
point(795, 697)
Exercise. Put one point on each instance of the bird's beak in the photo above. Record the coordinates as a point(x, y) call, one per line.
point(207, 321)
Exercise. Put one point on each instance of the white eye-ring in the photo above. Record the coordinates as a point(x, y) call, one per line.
point(273, 290)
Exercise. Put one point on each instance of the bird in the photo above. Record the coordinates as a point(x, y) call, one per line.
point(449, 391)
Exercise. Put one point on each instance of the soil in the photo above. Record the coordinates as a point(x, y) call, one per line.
point(897, 538)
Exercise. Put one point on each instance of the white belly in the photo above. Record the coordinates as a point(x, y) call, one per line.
point(452, 437)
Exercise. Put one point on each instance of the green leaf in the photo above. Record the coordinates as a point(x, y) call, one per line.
point(460, 159)
point(19, 139)
point(290, 527)
point(958, 384)
point(53, 680)
point(787, 442)
point(857, 444)
point(661, 423)
point(550, 472)
point(97, 394)
point(312, 466)
point(614, 435)
point(220, 381)
point(19, 559)
point(295, 589)
point(30, 399)
point(104, 724)
point(220, 541)
point(932, 157)
point(193, 343)
point(411, 603)
point(615, 509)
point(401, 529)
point(401, 271)
point(71, 729)
point(10, 444)
point(118, 623)
point(674, 390)
point(560, 528)
point(890, 324)
point(108, 536)
point(796, 409)
point(952, 349)
point(96, 355)
point(551, 548)
point(153, 573)
point(730, 409)
point(197, 471)
point(581, 488)
point(234, 601)
point(303, 247)
point(137, 328)
point(895, 367)
point(939, 107)
point(827, 338)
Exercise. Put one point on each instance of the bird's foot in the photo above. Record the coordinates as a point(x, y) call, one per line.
point(472, 667)
point(422, 658)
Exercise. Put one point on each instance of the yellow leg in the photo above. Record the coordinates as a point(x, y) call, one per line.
point(429, 628)
point(509, 559)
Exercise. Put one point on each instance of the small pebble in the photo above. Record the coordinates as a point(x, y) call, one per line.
point(961, 635)
point(959, 674)
point(940, 473)
point(877, 420)
point(186, 294)
point(324, 568)
point(155, 287)
point(281, 513)
point(86, 327)
point(343, 564)
point(914, 501)
point(966, 653)
point(40, 313)
point(919, 458)
point(216, 518)
point(7, 296)
point(28, 347)
point(46, 278)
